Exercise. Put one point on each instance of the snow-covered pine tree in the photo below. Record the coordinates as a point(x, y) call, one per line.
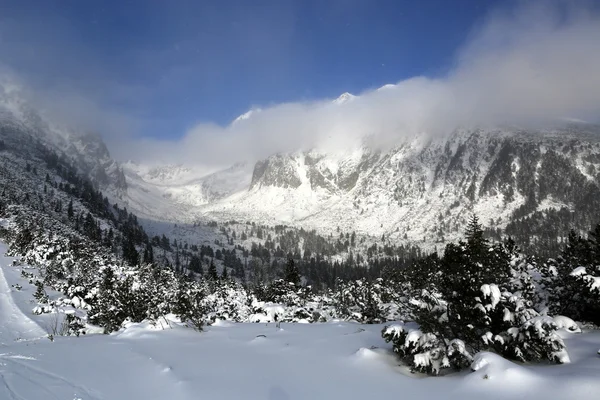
point(469, 309)
point(572, 281)
point(106, 309)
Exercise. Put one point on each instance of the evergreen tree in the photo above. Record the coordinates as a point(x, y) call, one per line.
point(130, 253)
point(291, 273)
point(148, 254)
point(570, 279)
point(467, 307)
point(212, 271)
point(177, 261)
point(477, 244)
point(195, 265)
point(70, 212)
point(106, 310)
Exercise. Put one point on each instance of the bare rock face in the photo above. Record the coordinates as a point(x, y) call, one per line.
point(279, 170)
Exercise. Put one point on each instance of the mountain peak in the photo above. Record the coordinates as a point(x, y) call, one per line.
point(344, 98)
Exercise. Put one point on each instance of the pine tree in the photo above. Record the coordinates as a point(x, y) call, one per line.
point(105, 311)
point(40, 294)
point(291, 273)
point(148, 254)
point(177, 261)
point(224, 275)
point(70, 212)
point(212, 271)
point(196, 265)
point(130, 253)
point(474, 235)
point(570, 278)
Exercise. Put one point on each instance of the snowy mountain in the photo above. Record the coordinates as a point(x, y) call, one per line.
point(176, 193)
point(421, 191)
point(344, 98)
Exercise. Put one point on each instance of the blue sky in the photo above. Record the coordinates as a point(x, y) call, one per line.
point(171, 64)
point(162, 80)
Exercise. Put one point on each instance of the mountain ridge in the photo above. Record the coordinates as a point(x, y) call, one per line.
point(421, 190)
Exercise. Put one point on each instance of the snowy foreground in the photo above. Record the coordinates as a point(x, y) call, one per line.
point(252, 361)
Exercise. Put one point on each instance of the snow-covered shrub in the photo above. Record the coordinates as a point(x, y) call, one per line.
point(367, 302)
point(229, 301)
point(282, 292)
point(40, 293)
point(188, 304)
point(424, 352)
point(522, 267)
point(511, 329)
point(536, 340)
point(457, 354)
point(74, 324)
point(108, 309)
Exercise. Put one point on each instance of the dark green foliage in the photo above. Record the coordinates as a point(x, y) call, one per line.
point(107, 311)
point(23, 239)
point(282, 292)
point(569, 279)
point(366, 302)
point(74, 324)
point(464, 268)
point(291, 273)
point(40, 293)
point(466, 307)
point(212, 272)
point(195, 265)
point(148, 254)
point(130, 253)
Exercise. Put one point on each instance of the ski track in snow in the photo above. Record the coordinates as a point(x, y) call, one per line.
point(36, 383)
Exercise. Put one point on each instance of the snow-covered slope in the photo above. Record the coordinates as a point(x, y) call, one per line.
point(176, 193)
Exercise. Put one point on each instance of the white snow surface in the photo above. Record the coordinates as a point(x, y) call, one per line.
point(252, 361)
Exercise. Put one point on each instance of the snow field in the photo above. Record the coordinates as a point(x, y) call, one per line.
point(335, 360)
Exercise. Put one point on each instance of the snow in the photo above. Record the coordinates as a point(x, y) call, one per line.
point(566, 323)
point(336, 360)
point(593, 281)
point(551, 204)
point(490, 366)
point(578, 271)
point(493, 292)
